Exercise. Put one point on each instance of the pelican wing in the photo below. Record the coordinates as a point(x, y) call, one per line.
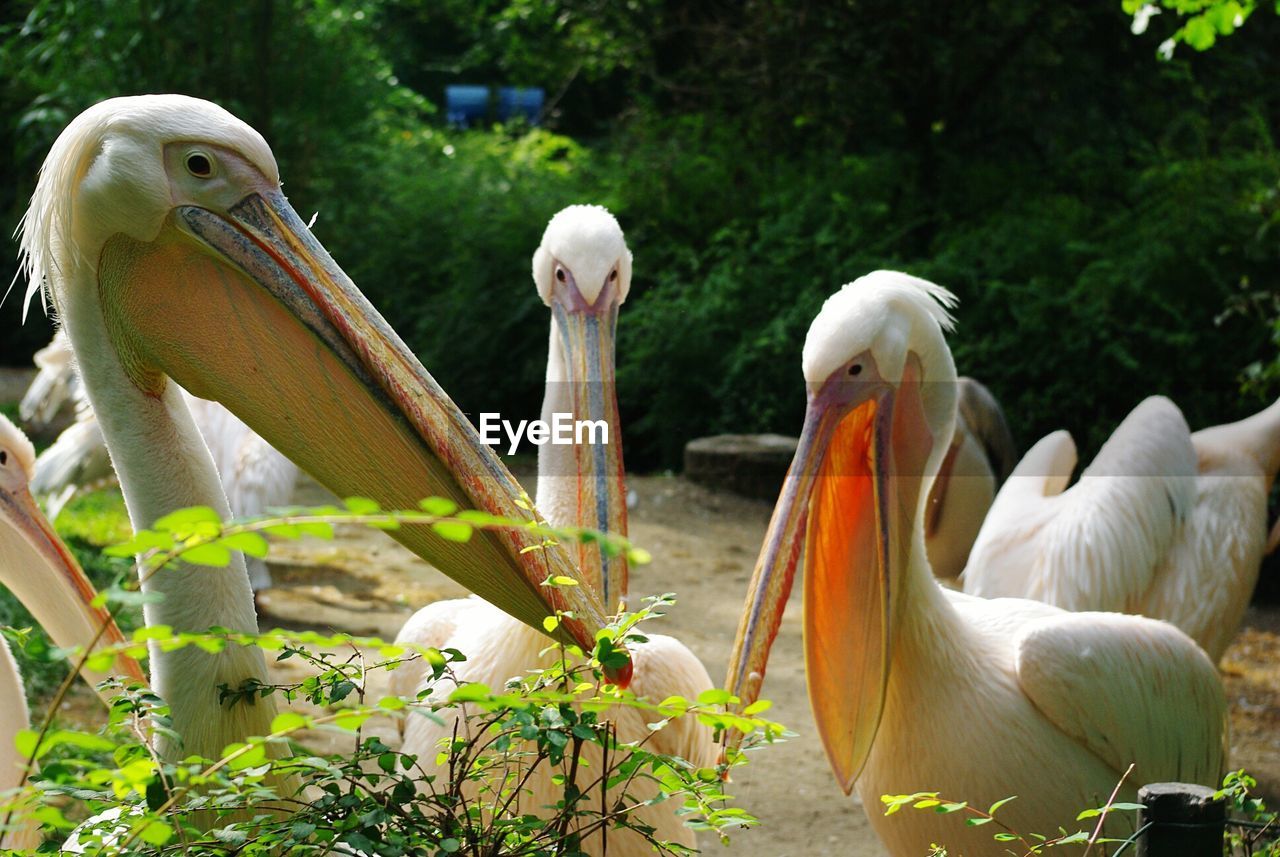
point(1097, 545)
point(76, 460)
point(1131, 689)
point(53, 384)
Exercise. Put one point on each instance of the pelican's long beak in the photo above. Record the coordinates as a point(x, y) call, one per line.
point(586, 334)
point(248, 309)
point(46, 578)
point(846, 498)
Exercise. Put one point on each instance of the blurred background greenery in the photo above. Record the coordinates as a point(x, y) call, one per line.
point(1108, 219)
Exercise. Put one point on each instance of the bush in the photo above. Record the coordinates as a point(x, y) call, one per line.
point(269, 795)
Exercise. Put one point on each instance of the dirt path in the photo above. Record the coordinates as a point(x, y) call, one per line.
point(704, 544)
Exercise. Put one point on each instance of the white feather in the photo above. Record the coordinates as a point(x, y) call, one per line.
point(1164, 523)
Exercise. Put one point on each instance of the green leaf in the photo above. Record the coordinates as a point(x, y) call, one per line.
point(361, 506)
point(561, 580)
point(454, 531)
point(249, 544)
point(756, 707)
point(212, 554)
point(714, 696)
point(156, 832)
point(288, 721)
point(1199, 33)
point(25, 741)
point(550, 623)
point(252, 756)
point(1000, 803)
point(439, 506)
point(351, 720)
point(196, 520)
point(1223, 16)
point(470, 692)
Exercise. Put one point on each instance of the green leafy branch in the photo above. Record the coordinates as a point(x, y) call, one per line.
point(1030, 843)
point(197, 535)
point(1203, 21)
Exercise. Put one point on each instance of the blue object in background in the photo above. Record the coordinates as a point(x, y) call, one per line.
point(466, 104)
point(523, 101)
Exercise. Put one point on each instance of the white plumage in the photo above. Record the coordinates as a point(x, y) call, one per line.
point(582, 249)
point(255, 476)
point(1163, 523)
point(1058, 704)
point(161, 236)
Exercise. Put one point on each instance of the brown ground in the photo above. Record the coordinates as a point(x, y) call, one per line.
point(704, 544)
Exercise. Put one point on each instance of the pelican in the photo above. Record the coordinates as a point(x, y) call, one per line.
point(1058, 704)
point(39, 570)
point(161, 237)
point(1164, 523)
point(54, 385)
point(980, 457)
point(582, 269)
point(255, 476)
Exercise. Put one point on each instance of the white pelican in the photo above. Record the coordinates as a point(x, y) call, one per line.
point(1054, 705)
point(583, 272)
point(980, 457)
point(55, 384)
point(255, 475)
point(1164, 523)
point(164, 241)
point(42, 574)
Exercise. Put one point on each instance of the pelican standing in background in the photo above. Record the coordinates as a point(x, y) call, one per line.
point(255, 476)
point(41, 573)
point(583, 272)
point(160, 235)
point(1062, 702)
point(981, 456)
point(1164, 523)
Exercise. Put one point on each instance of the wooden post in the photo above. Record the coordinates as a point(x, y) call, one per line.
point(1186, 821)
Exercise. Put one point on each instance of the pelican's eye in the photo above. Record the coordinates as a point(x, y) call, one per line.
point(4, 458)
point(613, 275)
point(561, 275)
point(855, 369)
point(200, 165)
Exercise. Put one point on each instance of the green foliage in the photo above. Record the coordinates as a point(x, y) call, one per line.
point(1251, 832)
point(1201, 22)
point(270, 794)
point(1254, 831)
point(1026, 844)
